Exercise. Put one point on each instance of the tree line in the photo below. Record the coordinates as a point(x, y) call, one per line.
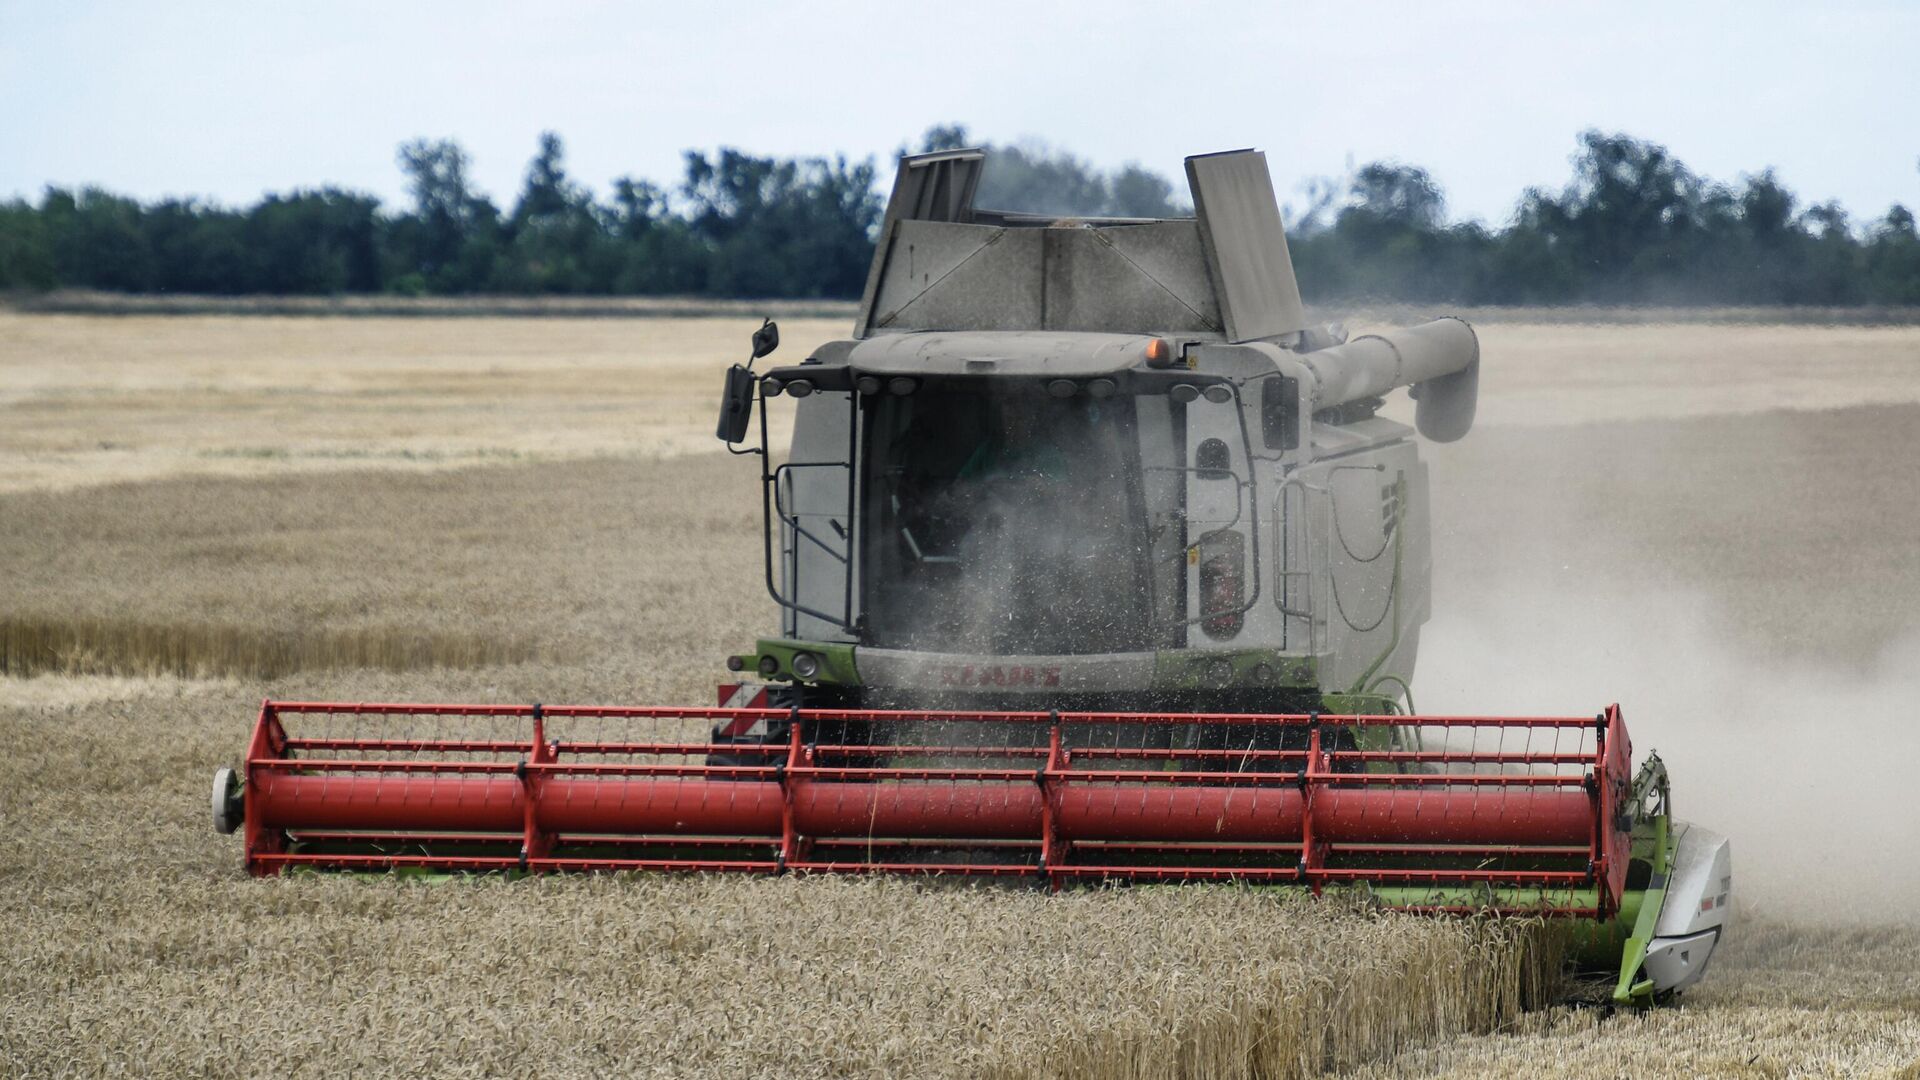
point(1632, 225)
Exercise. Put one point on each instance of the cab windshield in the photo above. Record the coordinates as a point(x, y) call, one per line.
point(1013, 522)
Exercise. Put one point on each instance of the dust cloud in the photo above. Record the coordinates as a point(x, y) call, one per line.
point(1808, 767)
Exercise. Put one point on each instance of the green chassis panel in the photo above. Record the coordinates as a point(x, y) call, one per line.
point(1173, 669)
point(836, 660)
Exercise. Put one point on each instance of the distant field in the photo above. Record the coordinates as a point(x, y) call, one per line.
point(1712, 524)
point(88, 302)
point(91, 400)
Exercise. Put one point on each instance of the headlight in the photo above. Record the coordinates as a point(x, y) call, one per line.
point(805, 665)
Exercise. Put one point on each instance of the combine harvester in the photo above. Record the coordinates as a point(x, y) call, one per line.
point(1095, 563)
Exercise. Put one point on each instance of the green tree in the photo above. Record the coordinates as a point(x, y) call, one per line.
point(26, 255)
point(98, 241)
point(449, 242)
point(1892, 259)
point(656, 251)
point(558, 240)
point(1632, 224)
point(322, 241)
point(1625, 217)
point(1832, 263)
point(1398, 197)
point(782, 227)
point(200, 248)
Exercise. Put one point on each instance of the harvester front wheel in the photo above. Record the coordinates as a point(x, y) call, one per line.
point(763, 747)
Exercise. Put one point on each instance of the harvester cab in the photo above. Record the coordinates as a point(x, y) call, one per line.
point(1095, 561)
point(1099, 462)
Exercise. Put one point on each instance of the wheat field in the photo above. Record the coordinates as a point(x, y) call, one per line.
point(196, 512)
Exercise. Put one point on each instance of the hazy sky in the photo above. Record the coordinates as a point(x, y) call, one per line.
point(233, 99)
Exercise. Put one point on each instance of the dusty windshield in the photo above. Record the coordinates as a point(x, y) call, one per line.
point(1014, 522)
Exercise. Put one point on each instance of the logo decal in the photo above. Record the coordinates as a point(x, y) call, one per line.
point(999, 675)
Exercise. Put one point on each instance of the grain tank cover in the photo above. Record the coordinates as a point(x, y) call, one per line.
point(944, 264)
point(1246, 245)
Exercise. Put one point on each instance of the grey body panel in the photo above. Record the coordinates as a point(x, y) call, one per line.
point(1149, 278)
point(1145, 278)
point(940, 264)
point(1031, 353)
point(1366, 552)
point(1246, 245)
point(1699, 892)
point(928, 187)
point(943, 276)
point(1699, 884)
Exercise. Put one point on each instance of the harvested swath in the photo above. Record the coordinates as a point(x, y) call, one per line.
point(1784, 999)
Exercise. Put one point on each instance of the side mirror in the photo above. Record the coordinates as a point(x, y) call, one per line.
point(736, 404)
point(736, 398)
point(766, 339)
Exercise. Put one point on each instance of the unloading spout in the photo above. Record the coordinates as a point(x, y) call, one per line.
point(1439, 360)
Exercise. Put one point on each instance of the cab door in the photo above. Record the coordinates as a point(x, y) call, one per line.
point(813, 504)
point(1220, 547)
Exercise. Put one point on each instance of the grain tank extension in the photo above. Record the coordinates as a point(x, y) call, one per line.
point(1095, 561)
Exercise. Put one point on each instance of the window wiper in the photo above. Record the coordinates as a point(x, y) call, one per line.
point(920, 556)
